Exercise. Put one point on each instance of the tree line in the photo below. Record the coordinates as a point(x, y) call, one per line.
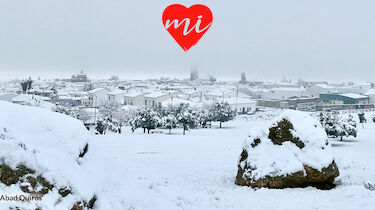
point(182, 116)
point(112, 116)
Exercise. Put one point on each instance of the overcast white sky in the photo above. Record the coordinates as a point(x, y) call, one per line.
point(311, 39)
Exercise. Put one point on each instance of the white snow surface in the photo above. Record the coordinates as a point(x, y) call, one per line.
point(193, 172)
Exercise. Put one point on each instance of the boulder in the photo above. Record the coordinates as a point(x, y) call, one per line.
point(292, 152)
point(42, 153)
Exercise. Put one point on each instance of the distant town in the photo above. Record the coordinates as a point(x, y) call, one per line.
point(244, 96)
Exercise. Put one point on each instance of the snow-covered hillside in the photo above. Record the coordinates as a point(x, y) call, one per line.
point(49, 144)
point(160, 171)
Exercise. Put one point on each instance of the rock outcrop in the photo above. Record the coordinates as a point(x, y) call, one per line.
point(293, 152)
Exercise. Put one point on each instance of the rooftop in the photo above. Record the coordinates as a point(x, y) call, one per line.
point(117, 92)
point(289, 89)
point(324, 86)
point(134, 94)
point(159, 94)
point(353, 95)
point(96, 90)
point(176, 101)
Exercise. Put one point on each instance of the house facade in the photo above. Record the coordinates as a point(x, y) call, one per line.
point(283, 93)
point(241, 105)
point(116, 96)
point(135, 99)
point(316, 89)
point(97, 97)
point(156, 98)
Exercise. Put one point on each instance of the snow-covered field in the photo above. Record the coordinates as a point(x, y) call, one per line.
point(195, 171)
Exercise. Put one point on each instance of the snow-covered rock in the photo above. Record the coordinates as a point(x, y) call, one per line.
point(51, 144)
point(293, 152)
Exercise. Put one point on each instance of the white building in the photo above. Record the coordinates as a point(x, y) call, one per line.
point(371, 94)
point(222, 93)
point(355, 88)
point(97, 97)
point(189, 94)
point(116, 96)
point(177, 101)
point(156, 98)
point(241, 105)
point(135, 98)
point(283, 93)
point(316, 89)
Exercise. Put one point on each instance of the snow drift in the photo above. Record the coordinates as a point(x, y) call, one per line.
point(50, 146)
point(293, 152)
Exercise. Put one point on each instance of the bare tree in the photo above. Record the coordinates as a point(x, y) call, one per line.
point(122, 116)
point(82, 115)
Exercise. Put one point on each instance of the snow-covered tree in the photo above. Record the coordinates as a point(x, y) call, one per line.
point(146, 119)
point(81, 114)
point(136, 122)
point(63, 110)
point(337, 126)
point(122, 116)
point(221, 112)
point(26, 85)
point(110, 125)
point(204, 116)
point(169, 122)
point(182, 115)
point(349, 127)
point(186, 117)
point(108, 109)
point(170, 110)
point(331, 125)
point(100, 127)
point(362, 119)
point(78, 113)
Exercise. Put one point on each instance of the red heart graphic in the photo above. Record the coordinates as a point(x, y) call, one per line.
point(187, 25)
